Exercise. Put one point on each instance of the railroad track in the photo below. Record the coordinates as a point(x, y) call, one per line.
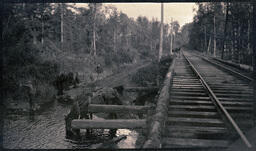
point(207, 107)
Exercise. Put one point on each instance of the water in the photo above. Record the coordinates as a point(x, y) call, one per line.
point(131, 137)
point(46, 130)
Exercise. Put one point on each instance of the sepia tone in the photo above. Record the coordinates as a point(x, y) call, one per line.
point(176, 76)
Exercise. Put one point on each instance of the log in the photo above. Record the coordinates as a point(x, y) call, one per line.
point(108, 124)
point(95, 108)
point(135, 89)
point(191, 143)
point(158, 122)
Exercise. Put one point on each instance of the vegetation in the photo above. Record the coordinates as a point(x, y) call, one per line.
point(223, 30)
point(147, 76)
point(43, 39)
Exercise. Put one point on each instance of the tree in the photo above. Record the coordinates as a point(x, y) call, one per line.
point(254, 38)
point(254, 54)
point(94, 8)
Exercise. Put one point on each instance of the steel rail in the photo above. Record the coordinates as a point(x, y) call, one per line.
point(228, 69)
point(227, 115)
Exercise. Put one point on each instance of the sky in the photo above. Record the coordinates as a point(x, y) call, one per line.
point(182, 12)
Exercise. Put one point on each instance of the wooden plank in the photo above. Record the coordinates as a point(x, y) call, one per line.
point(243, 91)
point(232, 92)
point(95, 108)
point(197, 129)
point(195, 120)
point(229, 70)
point(187, 143)
point(228, 85)
point(197, 134)
point(235, 99)
point(200, 114)
point(232, 88)
point(108, 124)
point(185, 80)
point(193, 107)
point(187, 90)
point(190, 98)
point(227, 103)
point(239, 109)
point(234, 95)
point(191, 102)
point(189, 93)
point(187, 85)
point(227, 115)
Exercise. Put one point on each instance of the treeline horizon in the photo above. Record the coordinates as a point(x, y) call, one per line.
point(224, 30)
point(43, 39)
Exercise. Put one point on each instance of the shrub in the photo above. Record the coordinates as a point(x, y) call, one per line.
point(145, 75)
point(149, 74)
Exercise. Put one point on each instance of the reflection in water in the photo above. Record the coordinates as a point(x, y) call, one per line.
point(130, 140)
point(46, 130)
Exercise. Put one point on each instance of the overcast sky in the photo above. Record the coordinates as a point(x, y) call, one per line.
point(182, 12)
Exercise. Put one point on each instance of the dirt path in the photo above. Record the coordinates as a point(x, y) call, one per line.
point(122, 78)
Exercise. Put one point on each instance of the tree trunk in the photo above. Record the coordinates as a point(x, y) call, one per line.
point(235, 56)
point(225, 32)
point(253, 42)
point(42, 38)
point(205, 41)
point(248, 33)
point(34, 37)
point(114, 45)
point(71, 38)
point(214, 42)
point(151, 45)
point(235, 26)
point(34, 33)
point(127, 40)
point(61, 26)
point(171, 40)
point(94, 30)
point(208, 49)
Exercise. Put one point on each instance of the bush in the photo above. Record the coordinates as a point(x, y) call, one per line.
point(146, 75)
point(108, 59)
point(45, 92)
point(22, 62)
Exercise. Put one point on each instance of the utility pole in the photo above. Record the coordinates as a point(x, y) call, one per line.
point(214, 35)
point(160, 45)
point(171, 37)
point(161, 33)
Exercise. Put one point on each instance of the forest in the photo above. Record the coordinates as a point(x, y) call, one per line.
point(223, 30)
point(42, 40)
